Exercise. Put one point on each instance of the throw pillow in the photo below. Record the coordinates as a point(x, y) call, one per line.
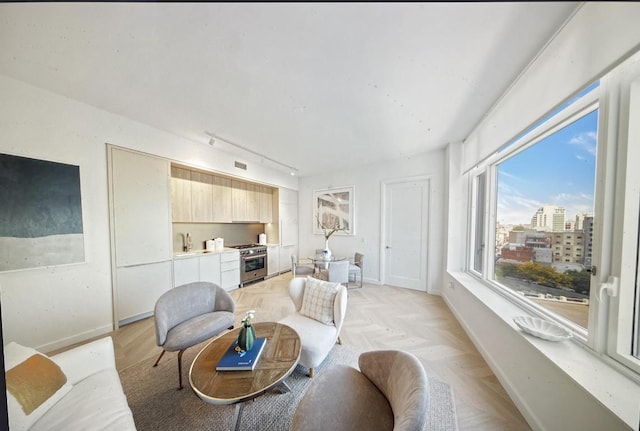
point(318, 299)
point(34, 384)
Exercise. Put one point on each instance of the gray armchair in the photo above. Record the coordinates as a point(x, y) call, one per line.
point(390, 392)
point(190, 314)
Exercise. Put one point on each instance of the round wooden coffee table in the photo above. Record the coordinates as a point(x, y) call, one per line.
point(277, 361)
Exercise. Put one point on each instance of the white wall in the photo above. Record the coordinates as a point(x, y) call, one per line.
point(368, 184)
point(52, 307)
point(599, 36)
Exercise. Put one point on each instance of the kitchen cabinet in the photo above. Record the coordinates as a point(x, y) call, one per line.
point(246, 201)
point(230, 270)
point(288, 211)
point(285, 257)
point(138, 289)
point(265, 197)
point(202, 267)
point(181, 194)
point(253, 202)
point(185, 270)
point(140, 203)
point(273, 260)
point(221, 199)
point(288, 217)
point(210, 268)
point(201, 197)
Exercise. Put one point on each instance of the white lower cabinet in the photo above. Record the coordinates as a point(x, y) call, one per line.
point(273, 260)
point(210, 268)
point(197, 268)
point(285, 257)
point(186, 270)
point(139, 286)
point(230, 270)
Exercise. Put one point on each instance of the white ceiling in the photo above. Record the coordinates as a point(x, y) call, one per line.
point(318, 86)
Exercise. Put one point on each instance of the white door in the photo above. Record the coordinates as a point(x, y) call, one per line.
point(406, 209)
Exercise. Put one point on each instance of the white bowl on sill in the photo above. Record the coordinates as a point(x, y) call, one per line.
point(542, 328)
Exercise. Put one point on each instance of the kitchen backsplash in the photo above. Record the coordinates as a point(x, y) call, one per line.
point(233, 234)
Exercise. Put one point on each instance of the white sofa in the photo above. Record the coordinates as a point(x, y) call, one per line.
point(91, 399)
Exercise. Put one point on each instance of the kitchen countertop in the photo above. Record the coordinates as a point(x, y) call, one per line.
point(195, 253)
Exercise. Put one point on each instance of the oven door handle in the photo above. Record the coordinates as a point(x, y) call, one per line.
point(254, 257)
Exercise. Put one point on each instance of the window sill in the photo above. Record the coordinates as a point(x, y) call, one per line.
point(597, 375)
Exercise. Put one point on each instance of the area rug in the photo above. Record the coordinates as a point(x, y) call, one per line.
point(158, 405)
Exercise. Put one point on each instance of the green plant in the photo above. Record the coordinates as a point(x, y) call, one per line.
point(248, 317)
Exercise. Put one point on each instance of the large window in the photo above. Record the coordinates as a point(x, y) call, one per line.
point(545, 196)
point(556, 217)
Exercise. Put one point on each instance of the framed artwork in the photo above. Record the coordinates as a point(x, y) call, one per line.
point(334, 208)
point(40, 214)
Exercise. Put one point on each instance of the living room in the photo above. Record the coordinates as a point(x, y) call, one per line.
point(57, 306)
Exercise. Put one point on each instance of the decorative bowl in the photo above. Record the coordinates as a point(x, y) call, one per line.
point(542, 328)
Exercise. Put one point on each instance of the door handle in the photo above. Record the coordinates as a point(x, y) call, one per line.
point(387, 246)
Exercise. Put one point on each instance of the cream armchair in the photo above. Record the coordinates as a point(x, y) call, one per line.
point(317, 337)
point(390, 392)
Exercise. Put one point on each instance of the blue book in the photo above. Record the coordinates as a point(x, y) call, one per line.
point(241, 361)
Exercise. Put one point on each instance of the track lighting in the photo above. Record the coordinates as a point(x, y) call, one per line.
point(213, 138)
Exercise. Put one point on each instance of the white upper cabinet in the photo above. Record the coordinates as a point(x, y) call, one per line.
point(140, 202)
point(288, 217)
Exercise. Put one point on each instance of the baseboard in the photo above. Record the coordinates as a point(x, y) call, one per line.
point(134, 318)
point(78, 338)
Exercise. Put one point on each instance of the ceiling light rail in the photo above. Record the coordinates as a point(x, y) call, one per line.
point(214, 138)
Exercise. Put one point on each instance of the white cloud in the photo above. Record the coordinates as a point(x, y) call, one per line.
point(585, 141)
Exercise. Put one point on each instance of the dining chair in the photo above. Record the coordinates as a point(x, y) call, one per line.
point(320, 266)
point(356, 267)
point(297, 269)
point(338, 272)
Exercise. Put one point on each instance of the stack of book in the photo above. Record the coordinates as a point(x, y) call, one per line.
point(234, 360)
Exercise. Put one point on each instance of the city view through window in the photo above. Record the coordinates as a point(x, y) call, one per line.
point(544, 219)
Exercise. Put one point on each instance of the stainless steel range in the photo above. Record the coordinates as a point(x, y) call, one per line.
point(253, 262)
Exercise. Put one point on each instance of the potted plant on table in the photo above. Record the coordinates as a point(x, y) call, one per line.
point(328, 231)
point(247, 335)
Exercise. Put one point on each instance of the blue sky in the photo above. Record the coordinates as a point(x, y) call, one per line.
point(560, 170)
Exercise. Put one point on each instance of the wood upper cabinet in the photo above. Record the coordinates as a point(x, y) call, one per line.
point(239, 200)
point(252, 202)
point(265, 197)
point(221, 198)
point(181, 194)
point(201, 197)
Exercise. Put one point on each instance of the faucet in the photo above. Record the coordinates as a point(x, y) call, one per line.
point(188, 244)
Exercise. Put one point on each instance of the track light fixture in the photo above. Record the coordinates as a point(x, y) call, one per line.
point(213, 138)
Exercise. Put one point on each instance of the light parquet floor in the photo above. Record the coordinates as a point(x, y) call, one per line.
point(378, 317)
